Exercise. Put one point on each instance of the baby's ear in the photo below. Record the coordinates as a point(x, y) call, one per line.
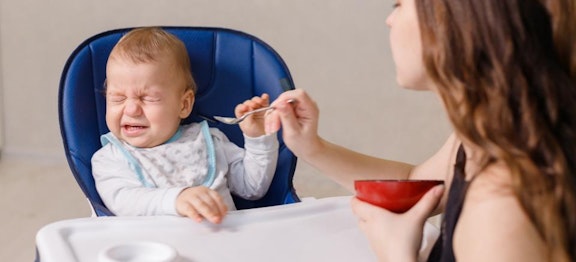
point(187, 103)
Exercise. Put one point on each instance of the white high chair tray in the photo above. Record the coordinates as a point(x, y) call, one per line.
point(314, 230)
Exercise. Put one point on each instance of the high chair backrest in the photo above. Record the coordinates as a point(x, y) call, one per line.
point(229, 67)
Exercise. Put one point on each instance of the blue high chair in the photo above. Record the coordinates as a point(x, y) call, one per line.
point(229, 67)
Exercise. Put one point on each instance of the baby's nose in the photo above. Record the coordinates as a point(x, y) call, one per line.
point(133, 107)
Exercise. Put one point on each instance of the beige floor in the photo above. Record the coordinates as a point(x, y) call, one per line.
point(36, 193)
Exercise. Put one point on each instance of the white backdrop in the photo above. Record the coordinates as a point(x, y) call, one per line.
point(336, 49)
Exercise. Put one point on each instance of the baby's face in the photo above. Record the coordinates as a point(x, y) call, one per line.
point(145, 101)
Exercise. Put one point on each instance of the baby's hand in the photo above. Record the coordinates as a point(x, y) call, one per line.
point(253, 125)
point(201, 202)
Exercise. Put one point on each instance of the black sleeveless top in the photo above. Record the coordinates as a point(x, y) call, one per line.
point(442, 250)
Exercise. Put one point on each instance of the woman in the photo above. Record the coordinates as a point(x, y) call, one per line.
point(504, 70)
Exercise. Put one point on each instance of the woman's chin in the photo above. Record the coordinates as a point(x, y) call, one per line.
point(416, 86)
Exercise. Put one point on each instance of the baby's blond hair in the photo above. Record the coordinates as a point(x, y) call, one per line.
point(147, 44)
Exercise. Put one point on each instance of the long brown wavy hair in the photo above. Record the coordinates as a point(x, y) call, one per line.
point(564, 29)
point(506, 72)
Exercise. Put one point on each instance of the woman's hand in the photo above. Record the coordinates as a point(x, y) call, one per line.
point(396, 237)
point(253, 125)
point(201, 202)
point(297, 114)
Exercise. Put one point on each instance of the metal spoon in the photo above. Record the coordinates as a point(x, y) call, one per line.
point(234, 120)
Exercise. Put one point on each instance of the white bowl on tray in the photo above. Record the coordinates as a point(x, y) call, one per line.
point(141, 251)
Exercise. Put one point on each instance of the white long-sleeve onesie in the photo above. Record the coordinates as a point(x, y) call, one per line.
point(184, 161)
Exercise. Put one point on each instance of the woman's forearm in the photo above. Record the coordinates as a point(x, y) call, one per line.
point(344, 165)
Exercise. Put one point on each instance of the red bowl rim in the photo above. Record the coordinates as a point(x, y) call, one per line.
point(399, 180)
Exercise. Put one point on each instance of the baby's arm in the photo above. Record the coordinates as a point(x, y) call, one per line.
point(253, 125)
point(123, 193)
point(251, 169)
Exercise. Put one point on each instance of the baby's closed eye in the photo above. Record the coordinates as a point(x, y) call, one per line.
point(116, 98)
point(151, 99)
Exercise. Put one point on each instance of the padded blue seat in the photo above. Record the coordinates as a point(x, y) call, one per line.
point(229, 67)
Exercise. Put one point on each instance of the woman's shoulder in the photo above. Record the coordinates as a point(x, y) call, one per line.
point(493, 225)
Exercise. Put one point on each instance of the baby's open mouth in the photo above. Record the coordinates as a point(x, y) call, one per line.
point(133, 128)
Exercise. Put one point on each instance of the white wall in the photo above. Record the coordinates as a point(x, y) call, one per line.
point(1, 109)
point(1, 92)
point(336, 49)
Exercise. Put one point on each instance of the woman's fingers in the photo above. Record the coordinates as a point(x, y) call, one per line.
point(428, 202)
point(290, 108)
point(281, 108)
point(359, 209)
point(287, 116)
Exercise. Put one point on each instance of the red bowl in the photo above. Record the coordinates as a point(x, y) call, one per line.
point(395, 195)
